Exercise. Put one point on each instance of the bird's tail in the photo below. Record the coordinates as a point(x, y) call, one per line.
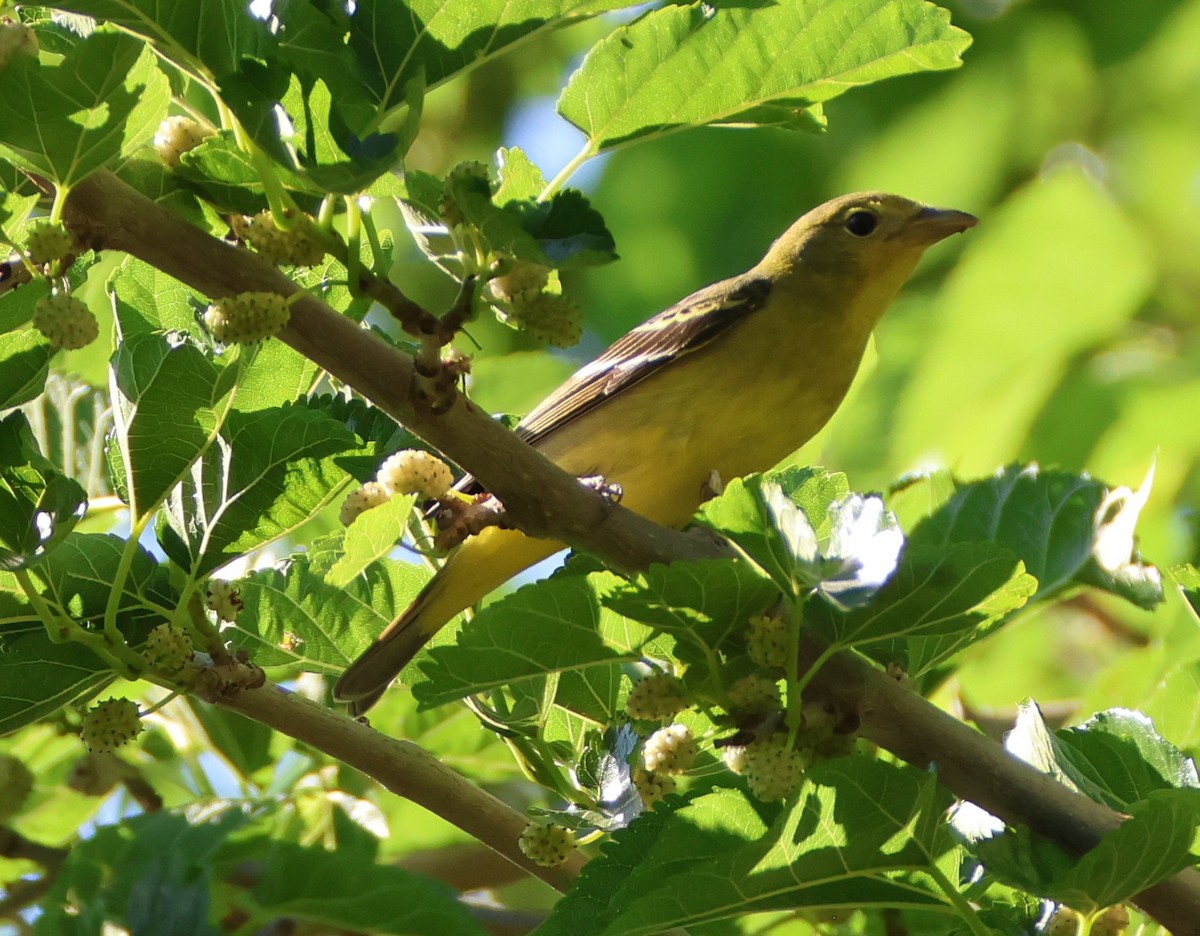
point(481, 564)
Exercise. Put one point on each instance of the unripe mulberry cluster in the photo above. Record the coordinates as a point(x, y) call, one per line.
point(292, 247)
point(547, 317)
point(761, 746)
point(656, 698)
point(48, 243)
point(110, 724)
point(169, 649)
point(247, 317)
point(547, 845)
point(65, 321)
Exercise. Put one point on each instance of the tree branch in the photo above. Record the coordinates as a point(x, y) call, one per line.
point(401, 766)
point(545, 501)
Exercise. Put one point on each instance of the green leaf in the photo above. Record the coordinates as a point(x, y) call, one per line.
point(563, 232)
point(370, 55)
point(556, 626)
point(328, 153)
point(165, 390)
point(103, 100)
point(1151, 845)
point(371, 536)
point(294, 616)
point(244, 743)
point(39, 675)
point(702, 604)
point(689, 66)
point(269, 471)
point(226, 175)
point(210, 36)
point(79, 577)
point(15, 212)
point(845, 841)
point(1049, 519)
point(941, 600)
point(1117, 758)
point(147, 300)
point(152, 873)
point(39, 505)
point(24, 366)
point(343, 892)
point(741, 514)
point(1188, 579)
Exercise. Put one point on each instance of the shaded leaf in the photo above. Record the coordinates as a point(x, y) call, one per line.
point(64, 121)
point(550, 627)
point(39, 505)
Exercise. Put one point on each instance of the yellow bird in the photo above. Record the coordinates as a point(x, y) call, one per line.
point(732, 379)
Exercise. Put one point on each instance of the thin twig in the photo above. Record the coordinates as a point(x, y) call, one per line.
point(402, 767)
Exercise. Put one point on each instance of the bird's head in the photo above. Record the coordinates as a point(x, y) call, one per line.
point(864, 245)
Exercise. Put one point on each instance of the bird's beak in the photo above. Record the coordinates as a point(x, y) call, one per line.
point(933, 224)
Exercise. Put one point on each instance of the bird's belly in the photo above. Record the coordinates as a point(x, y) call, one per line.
point(662, 442)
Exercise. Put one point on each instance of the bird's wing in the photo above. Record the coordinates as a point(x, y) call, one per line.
point(685, 327)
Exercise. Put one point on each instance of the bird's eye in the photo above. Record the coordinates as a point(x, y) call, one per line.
point(862, 223)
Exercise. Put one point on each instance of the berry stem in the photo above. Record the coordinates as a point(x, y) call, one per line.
point(60, 200)
point(354, 224)
point(61, 628)
point(555, 185)
point(965, 911)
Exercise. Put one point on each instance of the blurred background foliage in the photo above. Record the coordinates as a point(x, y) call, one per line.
point(1064, 330)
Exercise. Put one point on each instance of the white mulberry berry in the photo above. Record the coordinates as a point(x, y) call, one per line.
point(65, 322)
point(652, 787)
point(362, 499)
point(656, 697)
point(1111, 921)
point(109, 724)
point(773, 767)
point(224, 599)
point(736, 758)
point(1063, 922)
point(413, 471)
point(177, 135)
point(670, 750)
point(247, 317)
point(293, 247)
point(547, 845)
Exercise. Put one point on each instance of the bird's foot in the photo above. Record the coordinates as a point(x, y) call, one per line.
point(612, 493)
point(457, 519)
